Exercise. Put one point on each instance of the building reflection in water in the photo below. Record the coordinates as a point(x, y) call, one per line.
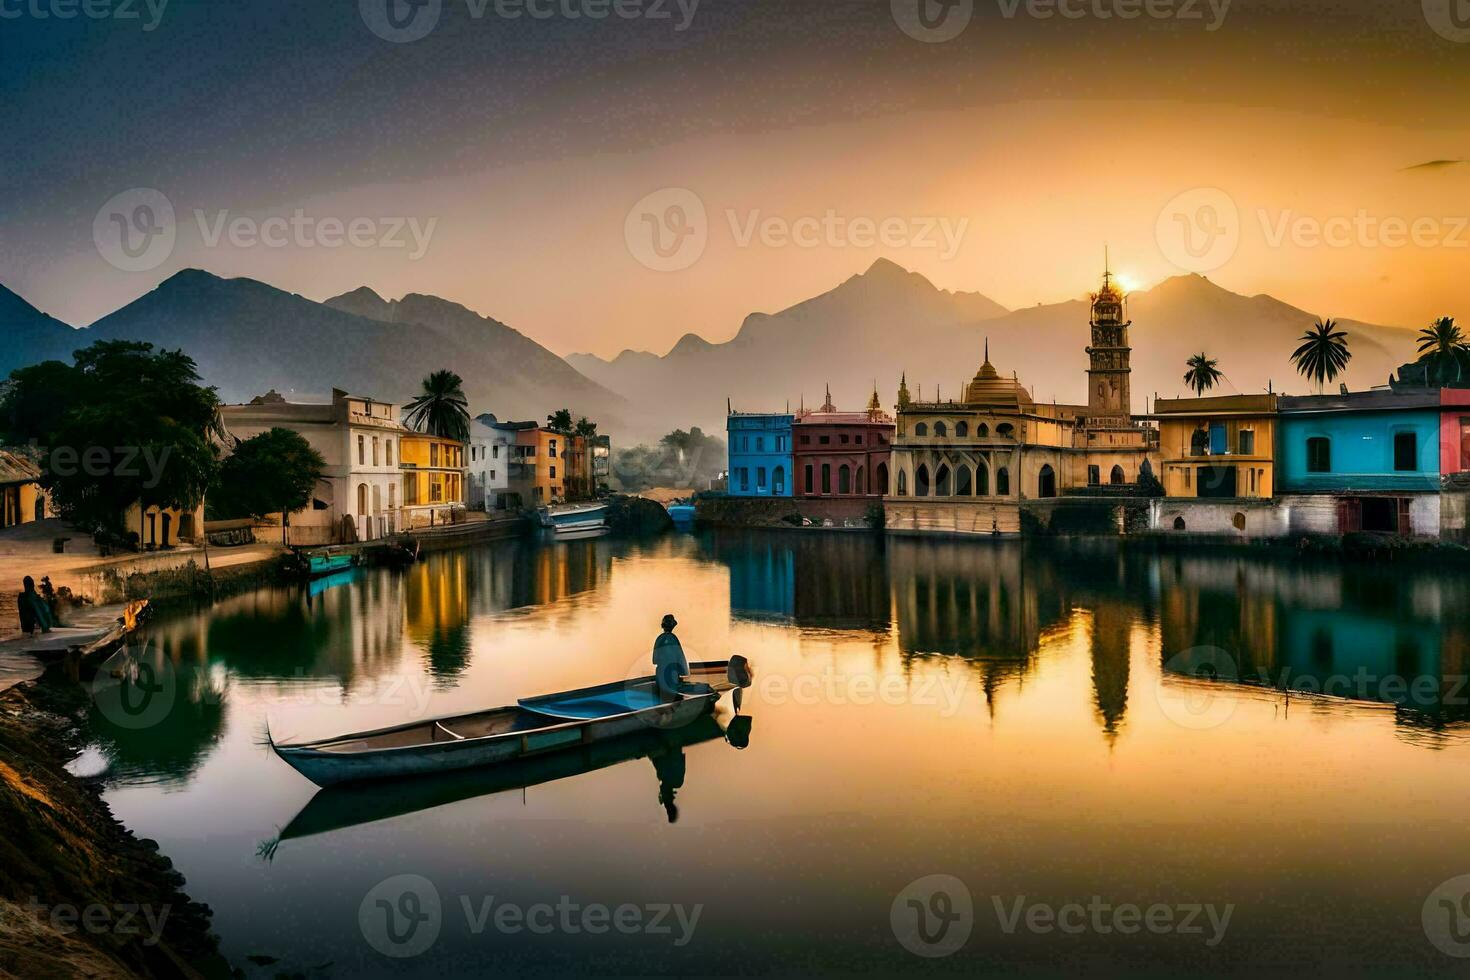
point(815, 581)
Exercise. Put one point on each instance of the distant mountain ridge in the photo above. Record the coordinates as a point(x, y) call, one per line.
point(248, 337)
point(888, 322)
point(29, 335)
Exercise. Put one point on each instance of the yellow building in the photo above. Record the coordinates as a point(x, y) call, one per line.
point(1220, 447)
point(433, 479)
point(164, 527)
point(21, 498)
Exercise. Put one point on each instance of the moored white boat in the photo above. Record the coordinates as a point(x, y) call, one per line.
point(574, 520)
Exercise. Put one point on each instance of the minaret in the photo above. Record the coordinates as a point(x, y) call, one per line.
point(904, 401)
point(1108, 372)
point(827, 406)
point(875, 407)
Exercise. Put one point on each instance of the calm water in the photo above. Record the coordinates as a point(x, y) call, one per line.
point(1040, 726)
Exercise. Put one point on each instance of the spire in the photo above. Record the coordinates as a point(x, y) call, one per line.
point(903, 392)
point(987, 349)
point(827, 406)
point(875, 407)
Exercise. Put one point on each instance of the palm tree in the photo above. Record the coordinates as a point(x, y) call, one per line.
point(1202, 374)
point(1323, 354)
point(442, 409)
point(1444, 350)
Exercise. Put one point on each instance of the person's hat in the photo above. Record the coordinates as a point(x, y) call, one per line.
point(670, 622)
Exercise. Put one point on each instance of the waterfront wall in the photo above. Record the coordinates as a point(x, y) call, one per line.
point(781, 511)
point(955, 518)
point(1228, 518)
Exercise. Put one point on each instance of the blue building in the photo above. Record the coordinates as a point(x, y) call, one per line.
point(1363, 461)
point(760, 454)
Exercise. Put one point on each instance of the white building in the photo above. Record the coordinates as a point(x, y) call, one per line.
point(492, 450)
point(359, 440)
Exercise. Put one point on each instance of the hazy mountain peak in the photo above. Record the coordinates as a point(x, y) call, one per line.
point(363, 301)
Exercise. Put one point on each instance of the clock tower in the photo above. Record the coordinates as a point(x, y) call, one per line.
point(1108, 394)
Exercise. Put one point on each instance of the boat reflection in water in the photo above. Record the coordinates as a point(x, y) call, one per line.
point(341, 807)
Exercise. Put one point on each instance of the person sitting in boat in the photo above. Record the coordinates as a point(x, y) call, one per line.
point(670, 666)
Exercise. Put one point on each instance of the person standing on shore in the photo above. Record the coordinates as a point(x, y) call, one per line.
point(33, 609)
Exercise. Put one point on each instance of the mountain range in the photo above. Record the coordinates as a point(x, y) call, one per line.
point(248, 337)
point(889, 322)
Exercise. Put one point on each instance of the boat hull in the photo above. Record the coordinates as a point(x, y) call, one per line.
point(327, 768)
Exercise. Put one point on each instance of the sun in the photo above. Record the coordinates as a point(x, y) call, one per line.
point(1129, 284)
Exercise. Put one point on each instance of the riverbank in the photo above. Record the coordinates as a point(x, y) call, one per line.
point(80, 895)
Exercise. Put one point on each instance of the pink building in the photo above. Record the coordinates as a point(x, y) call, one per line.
point(842, 454)
point(1454, 431)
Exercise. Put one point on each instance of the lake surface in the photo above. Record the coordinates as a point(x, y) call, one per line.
point(1116, 763)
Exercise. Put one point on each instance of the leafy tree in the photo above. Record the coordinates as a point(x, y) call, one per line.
point(560, 421)
point(123, 425)
point(275, 472)
point(1323, 354)
point(1444, 351)
point(1202, 374)
point(682, 460)
point(441, 409)
point(585, 429)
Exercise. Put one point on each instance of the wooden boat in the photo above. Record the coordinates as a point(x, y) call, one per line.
point(531, 727)
point(329, 563)
point(353, 805)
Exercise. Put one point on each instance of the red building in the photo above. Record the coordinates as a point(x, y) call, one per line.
point(842, 454)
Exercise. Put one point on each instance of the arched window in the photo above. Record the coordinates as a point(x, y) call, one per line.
point(1005, 430)
point(1003, 482)
point(1319, 455)
point(921, 429)
point(964, 482)
point(362, 499)
point(921, 481)
point(880, 480)
point(1118, 477)
point(1178, 523)
point(1238, 521)
point(940, 429)
point(844, 479)
point(961, 429)
point(778, 481)
point(862, 481)
point(903, 484)
point(942, 481)
point(982, 431)
point(982, 481)
point(1046, 482)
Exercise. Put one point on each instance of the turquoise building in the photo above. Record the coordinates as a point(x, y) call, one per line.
point(760, 454)
point(1360, 461)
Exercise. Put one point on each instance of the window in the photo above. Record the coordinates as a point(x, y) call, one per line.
point(375, 450)
point(1247, 441)
point(961, 429)
point(903, 484)
point(921, 429)
point(826, 478)
point(940, 429)
point(361, 451)
point(553, 472)
point(983, 431)
point(760, 444)
point(1094, 476)
point(806, 440)
point(809, 478)
point(551, 451)
point(362, 493)
point(1199, 443)
point(858, 440)
point(1178, 523)
point(844, 439)
point(844, 479)
point(1005, 430)
point(1118, 478)
point(760, 478)
point(778, 481)
point(1003, 482)
point(1405, 452)
point(433, 454)
point(744, 475)
point(390, 452)
point(825, 440)
point(1319, 455)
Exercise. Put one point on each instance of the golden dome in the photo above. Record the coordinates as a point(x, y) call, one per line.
point(990, 390)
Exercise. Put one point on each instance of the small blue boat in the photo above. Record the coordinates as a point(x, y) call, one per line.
point(683, 514)
point(329, 563)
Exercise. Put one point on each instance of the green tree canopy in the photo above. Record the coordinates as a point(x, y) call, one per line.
point(1444, 351)
point(560, 421)
point(441, 409)
point(275, 472)
point(123, 424)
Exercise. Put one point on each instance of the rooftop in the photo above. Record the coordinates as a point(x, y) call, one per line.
point(1376, 400)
